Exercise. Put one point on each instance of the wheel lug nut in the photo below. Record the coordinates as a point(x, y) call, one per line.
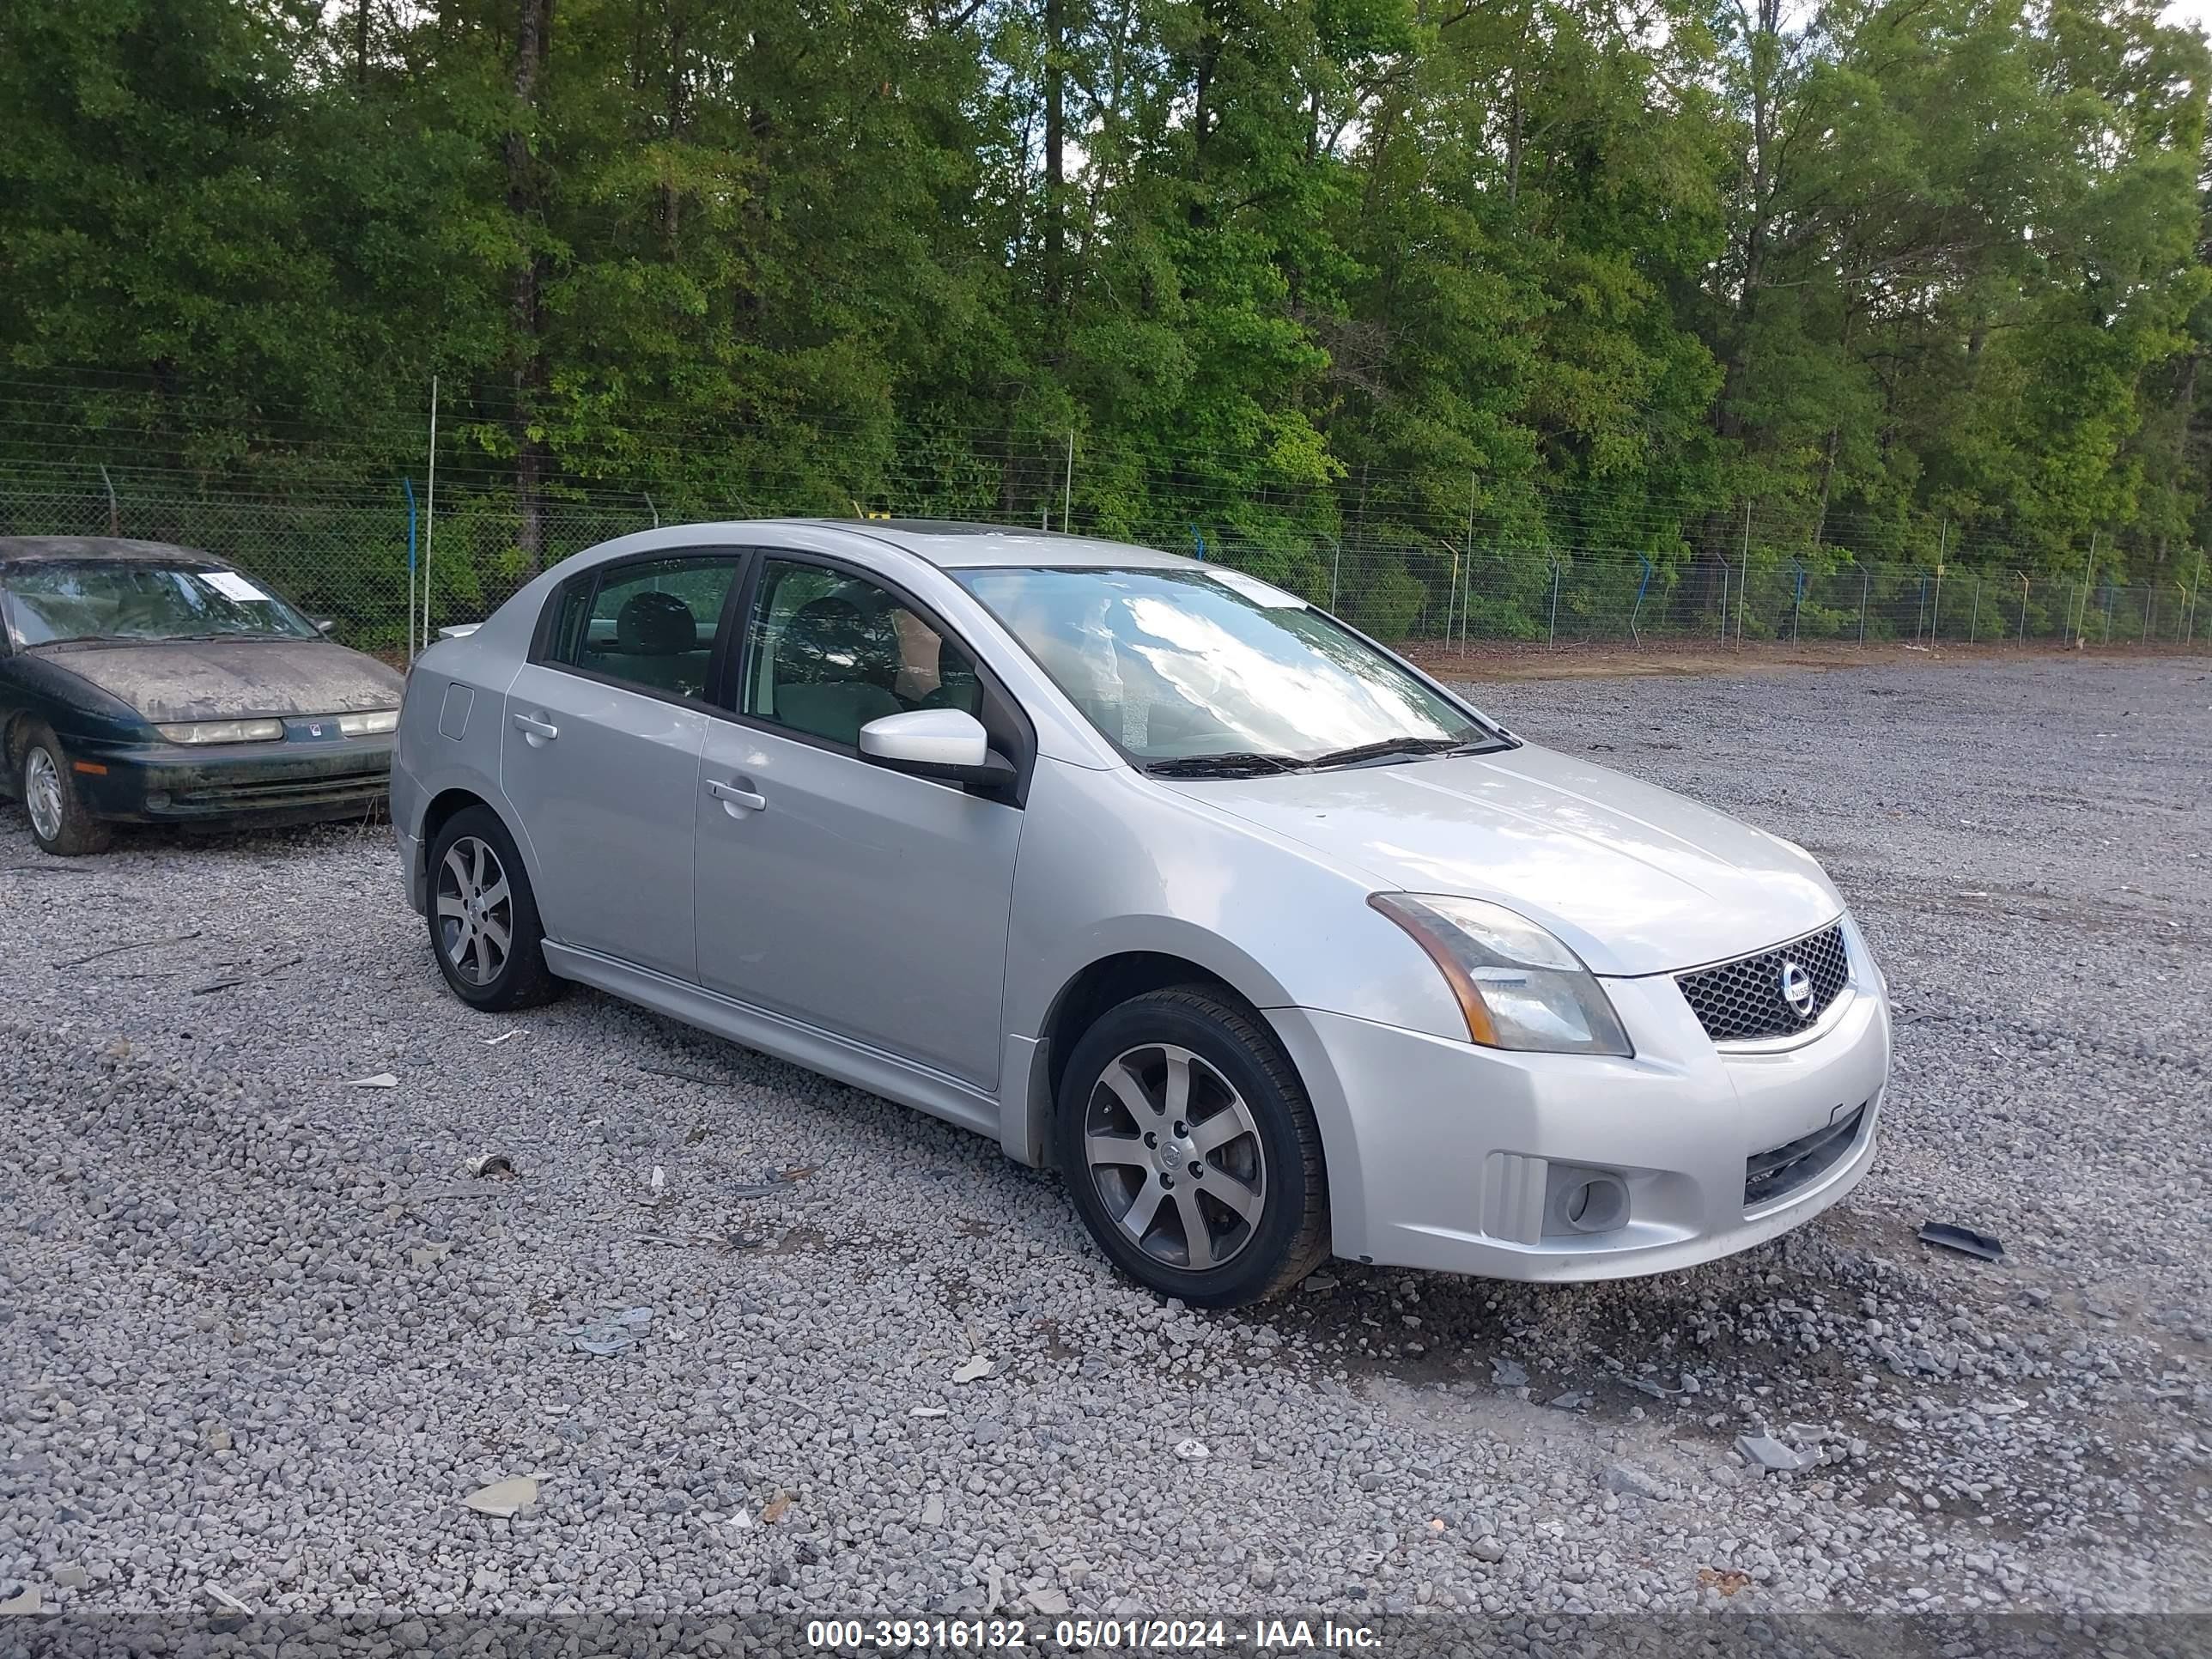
point(1168, 1183)
point(1195, 1171)
point(1151, 1139)
point(1181, 1128)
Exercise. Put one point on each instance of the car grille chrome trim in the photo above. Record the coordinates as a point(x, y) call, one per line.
point(1776, 1174)
point(1742, 1001)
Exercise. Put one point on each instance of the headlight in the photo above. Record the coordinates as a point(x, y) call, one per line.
point(1865, 969)
point(223, 732)
point(1518, 986)
point(376, 719)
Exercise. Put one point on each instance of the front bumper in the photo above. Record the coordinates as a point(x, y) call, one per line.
point(1444, 1155)
point(280, 782)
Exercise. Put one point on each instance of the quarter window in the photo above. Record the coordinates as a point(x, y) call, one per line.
point(649, 625)
point(828, 652)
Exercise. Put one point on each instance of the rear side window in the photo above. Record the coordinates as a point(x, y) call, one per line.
point(650, 625)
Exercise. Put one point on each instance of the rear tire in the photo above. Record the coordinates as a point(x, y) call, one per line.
point(59, 823)
point(484, 917)
point(1190, 1149)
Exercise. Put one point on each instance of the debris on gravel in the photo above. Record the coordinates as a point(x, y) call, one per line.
point(261, 1337)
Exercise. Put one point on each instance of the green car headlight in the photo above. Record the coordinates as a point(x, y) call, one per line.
point(223, 732)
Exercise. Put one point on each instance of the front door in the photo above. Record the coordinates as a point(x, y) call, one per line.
point(600, 754)
point(860, 901)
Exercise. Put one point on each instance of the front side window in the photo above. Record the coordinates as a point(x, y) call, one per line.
point(1194, 671)
point(52, 601)
point(651, 625)
point(827, 651)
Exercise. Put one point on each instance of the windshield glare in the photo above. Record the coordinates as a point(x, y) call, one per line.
point(109, 600)
point(1174, 664)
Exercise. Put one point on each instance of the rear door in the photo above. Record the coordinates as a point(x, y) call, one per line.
point(599, 753)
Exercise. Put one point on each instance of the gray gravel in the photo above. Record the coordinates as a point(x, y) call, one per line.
point(262, 1332)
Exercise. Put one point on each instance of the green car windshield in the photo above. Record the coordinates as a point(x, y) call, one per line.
point(54, 601)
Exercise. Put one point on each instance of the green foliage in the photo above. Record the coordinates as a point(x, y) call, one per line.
point(1683, 279)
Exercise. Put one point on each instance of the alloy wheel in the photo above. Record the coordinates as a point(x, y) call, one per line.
point(1174, 1150)
point(476, 911)
point(42, 794)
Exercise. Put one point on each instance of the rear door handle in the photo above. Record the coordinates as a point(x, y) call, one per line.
point(537, 728)
point(731, 796)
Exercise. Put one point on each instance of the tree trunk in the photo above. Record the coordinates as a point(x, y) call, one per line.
point(533, 29)
point(1055, 144)
point(361, 44)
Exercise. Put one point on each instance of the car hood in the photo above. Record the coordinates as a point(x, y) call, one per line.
point(1634, 879)
point(229, 679)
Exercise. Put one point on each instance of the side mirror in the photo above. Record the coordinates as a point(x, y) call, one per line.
point(327, 625)
point(948, 744)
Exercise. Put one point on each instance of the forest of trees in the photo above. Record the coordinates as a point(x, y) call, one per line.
point(1896, 278)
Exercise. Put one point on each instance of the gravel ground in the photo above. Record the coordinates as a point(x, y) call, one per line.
point(264, 1332)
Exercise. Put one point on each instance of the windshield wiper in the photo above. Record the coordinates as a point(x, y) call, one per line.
point(1238, 764)
point(1391, 746)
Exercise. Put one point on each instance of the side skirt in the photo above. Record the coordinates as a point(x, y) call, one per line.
point(818, 1050)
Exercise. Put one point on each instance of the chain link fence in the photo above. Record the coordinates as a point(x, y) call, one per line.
point(373, 559)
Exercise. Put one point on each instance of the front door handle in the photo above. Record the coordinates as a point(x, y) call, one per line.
point(733, 797)
point(535, 729)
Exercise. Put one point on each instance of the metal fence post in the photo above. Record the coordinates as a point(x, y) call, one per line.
point(1743, 579)
point(2107, 639)
point(1974, 621)
point(2150, 610)
point(2023, 611)
point(2088, 571)
point(1554, 643)
point(1866, 582)
point(1935, 617)
point(1723, 564)
point(1336, 558)
point(1798, 603)
point(430, 513)
point(114, 511)
point(410, 484)
point(1920, 608)
point(1638, 613)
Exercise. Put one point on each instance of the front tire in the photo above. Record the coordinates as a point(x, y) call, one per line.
point(484, 917)
point(1190, 1149)
point(59, 823)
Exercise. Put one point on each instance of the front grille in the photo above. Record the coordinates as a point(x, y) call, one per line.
point(323, 790)
point(1769, 1176)
point(1741, 1002)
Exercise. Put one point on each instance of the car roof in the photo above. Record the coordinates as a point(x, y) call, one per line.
point(35, 549)
point(953, 545)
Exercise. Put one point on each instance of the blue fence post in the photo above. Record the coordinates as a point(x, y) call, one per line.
point(409, 485)
point(1197, 544)
point(1638, 613)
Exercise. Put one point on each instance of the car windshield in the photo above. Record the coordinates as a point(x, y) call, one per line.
point(112, 599)
point(1211, 670)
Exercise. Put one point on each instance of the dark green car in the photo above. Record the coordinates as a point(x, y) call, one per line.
point(146, 683)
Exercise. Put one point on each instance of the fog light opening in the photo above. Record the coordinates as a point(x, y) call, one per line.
point(1596, 1206)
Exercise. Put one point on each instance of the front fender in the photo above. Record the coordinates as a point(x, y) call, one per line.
point(1111, 864)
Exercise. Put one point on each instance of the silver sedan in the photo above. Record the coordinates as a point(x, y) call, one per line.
point(1271, 945)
